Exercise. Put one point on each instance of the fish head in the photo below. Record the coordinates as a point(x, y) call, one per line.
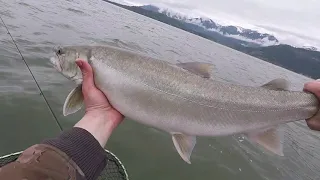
point(65, 58)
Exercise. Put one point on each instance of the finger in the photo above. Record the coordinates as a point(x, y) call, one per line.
point(87, 74)
point(313, 87)
point(313, 124)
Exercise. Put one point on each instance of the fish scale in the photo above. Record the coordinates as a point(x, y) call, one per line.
point(181, 100)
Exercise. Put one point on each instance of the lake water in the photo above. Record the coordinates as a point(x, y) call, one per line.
point(38, 26)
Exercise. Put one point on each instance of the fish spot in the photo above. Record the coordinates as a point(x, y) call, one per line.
point(240, 169)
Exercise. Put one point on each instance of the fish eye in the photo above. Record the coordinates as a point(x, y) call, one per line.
point(59, 52)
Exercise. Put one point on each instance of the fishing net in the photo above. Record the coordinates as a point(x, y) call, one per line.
point(113, 171)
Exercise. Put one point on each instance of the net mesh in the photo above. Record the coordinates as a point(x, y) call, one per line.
point(114, 169)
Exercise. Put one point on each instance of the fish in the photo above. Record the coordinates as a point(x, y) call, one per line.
point(185, 99)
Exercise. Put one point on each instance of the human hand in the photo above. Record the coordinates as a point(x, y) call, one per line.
point(100, 117)
point(313, 87)
point(94, 100)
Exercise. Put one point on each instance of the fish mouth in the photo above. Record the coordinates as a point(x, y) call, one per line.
point(54, 61)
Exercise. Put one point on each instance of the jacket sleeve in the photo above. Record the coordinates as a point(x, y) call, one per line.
point(75, 154)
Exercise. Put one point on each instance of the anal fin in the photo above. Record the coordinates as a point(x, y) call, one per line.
point(271, 139)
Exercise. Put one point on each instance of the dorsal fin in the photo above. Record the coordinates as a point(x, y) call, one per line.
point(201, 69)
point(277, 84)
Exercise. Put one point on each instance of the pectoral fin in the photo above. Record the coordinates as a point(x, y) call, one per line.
point(74, 101)
point(184, 145)
point(270, 139)
point(277, 84)
point(198, 68)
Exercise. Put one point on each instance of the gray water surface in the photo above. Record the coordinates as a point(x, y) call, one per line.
point(38, 26)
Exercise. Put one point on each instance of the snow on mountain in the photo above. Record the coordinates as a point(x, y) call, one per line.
point(174, 15)
point(311, 48)
point(249, 33)
point(204, 22)
point(235, 32)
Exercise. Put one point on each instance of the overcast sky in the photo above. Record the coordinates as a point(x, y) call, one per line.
point(295, 22)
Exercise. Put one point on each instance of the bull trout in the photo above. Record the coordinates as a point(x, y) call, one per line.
point(184, 99)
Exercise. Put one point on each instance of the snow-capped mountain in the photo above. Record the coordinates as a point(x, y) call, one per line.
point(236, 32)
point(208, 24)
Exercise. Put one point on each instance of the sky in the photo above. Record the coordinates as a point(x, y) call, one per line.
point(295, 22)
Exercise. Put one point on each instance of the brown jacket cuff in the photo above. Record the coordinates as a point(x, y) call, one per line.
point(83, 149)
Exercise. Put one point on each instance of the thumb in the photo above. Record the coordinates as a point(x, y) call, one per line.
point(314, 123)
point(87, 74)
point(313, 87)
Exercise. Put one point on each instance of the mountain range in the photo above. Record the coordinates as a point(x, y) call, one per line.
point(305, 61)
point(252, 37)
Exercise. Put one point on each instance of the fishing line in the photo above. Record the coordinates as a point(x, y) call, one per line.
point(41, 92)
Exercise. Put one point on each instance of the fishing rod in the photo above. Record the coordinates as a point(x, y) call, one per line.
point(41, 92)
